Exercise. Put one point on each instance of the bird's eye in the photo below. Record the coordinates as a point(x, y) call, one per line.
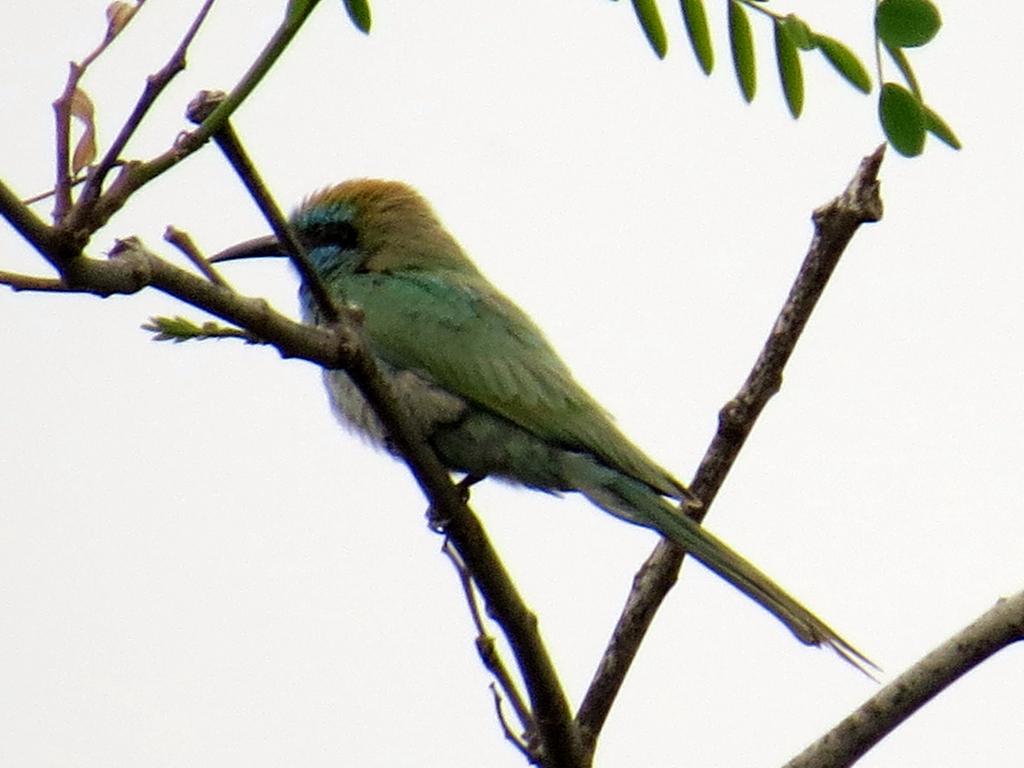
point(339, 233)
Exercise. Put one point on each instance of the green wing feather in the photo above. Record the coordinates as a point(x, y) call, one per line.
point(482, 347)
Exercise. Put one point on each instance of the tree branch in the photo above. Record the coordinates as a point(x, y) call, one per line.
point(19, 282)
point(183, 242)
point(131, 268)
point(63, 108)
point(491, 659)
point(155, 85)
point(994, 630)
point(835, 224)
point(227, 140)
point(553, 736)
point(94, 213)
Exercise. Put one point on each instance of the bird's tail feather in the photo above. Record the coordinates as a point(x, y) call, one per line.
point(629, 499)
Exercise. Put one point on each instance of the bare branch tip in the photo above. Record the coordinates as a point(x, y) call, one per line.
point(17, 283)
point(181, 240)
point(863, 191)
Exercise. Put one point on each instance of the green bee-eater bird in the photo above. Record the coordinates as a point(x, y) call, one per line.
point(480, 381)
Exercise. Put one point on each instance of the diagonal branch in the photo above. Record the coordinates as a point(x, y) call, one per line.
point(835, 224)
point(131, 268)
point(1000, 626)
point(228, 142)
point(551, 725)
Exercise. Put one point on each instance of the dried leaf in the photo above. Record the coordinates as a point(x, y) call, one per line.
point(118, 16)
point(85, 150)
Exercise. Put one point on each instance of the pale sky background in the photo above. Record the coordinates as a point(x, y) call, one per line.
point(199, 568)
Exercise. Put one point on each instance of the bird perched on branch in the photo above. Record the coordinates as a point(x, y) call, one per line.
point(482, 384)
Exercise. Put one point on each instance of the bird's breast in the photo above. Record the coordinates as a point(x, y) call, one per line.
point(427, 405)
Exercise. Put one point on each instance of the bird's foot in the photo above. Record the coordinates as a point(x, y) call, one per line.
point(466, 483)
point(438, 522)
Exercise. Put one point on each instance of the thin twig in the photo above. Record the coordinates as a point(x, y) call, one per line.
point(835, 224)
point(485, 644)
point(506, 728)
point(39, 197)
point(32, 283)
point(1000, 626)
point(135, 175)
point(183, 242)
point(62, 144)
point(228, 142)
point(63, 108)
point(155, 85)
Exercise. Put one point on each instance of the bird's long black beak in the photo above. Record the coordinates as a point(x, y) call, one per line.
point(258, 248)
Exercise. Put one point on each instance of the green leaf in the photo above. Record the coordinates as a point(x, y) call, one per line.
point(936, 126)
point(799, 32)
point(844, 61)
point(697, 28)
point(903, 120)
point(788, 59)
point(907, 23)
point(742, 43)
point(650, 20)
point(359, 12)
point(179, 329)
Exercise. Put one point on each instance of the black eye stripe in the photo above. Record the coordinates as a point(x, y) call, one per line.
point(338, 233)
